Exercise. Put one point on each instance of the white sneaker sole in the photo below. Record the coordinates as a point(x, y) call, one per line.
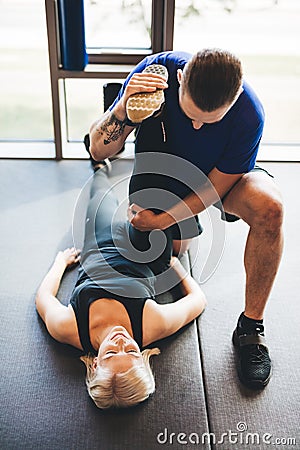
point(143, 105)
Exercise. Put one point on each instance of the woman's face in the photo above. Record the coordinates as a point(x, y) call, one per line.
point(118, 352)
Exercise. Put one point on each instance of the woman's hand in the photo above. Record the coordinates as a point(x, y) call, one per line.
point(69, 256)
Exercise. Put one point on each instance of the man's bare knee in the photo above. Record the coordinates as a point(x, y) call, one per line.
point(257, 200)
point(269, 216)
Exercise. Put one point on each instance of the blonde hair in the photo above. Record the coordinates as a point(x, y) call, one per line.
point(122, 389)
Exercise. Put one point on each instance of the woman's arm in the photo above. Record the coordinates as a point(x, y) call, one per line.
point(168, 318)
point(55, 315)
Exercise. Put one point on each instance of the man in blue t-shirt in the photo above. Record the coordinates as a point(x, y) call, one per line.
point(201, 147)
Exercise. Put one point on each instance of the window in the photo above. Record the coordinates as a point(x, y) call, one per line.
point(265, 34)
point(84, 102)
point(117, 26)
point(117, 36)
point(24, 74)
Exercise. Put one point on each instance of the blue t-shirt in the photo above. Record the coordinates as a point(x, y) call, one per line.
point(230, 145)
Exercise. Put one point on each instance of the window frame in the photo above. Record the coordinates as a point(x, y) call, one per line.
point(106, 63)
point(103, 64)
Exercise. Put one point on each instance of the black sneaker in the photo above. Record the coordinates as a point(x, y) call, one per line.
point(95, 164)
point(254, 363)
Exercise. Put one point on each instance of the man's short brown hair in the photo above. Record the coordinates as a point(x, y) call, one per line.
point(212, 78)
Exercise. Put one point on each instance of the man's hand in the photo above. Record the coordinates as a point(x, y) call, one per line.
point(143, 219)
point(146, 220)
point(143, 82)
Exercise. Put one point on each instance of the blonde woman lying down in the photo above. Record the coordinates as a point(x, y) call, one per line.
point(112, 315)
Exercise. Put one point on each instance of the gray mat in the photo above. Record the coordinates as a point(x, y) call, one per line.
point(268, 419)
point(44, 403)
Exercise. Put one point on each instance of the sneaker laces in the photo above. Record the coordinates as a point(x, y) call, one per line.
point(257, 352)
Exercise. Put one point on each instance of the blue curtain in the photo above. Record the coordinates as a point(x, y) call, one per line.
point(72, 34)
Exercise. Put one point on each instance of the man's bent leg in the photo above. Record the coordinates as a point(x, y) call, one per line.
point(257, 201)
point(183, 234)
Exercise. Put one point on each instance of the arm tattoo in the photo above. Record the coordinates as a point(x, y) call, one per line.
point(111, 129)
